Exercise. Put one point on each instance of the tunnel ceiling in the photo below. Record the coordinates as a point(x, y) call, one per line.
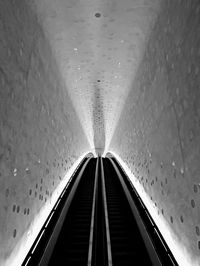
point(98, 45)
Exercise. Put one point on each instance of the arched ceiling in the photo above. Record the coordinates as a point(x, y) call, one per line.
point(98, 45)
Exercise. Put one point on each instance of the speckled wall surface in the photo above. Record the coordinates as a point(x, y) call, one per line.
point(40, 135)
point(158, 135)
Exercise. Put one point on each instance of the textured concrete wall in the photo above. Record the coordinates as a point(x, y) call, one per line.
point(158, 135)
point(40, 135)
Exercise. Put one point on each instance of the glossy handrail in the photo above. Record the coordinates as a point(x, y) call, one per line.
point(93, 216)
point(106, 216)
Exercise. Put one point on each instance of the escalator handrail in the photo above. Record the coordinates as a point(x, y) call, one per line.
point(106, 216)
point(93, 215)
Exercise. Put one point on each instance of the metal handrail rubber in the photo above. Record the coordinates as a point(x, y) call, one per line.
point(93, 216)
point(106, 216)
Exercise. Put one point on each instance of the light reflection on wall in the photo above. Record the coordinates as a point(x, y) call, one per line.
point(177, 248)
point(21, 249)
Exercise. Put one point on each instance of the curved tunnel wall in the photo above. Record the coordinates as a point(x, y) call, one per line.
point(158, 135)
point(40, 134)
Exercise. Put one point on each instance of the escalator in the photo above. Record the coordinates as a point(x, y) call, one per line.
point(99, 224)
point(126, 241)
point(72, 244)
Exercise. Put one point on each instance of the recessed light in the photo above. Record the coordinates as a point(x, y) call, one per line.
point(98, 15)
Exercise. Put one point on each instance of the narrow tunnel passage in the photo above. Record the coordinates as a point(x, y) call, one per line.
point(83, 76)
